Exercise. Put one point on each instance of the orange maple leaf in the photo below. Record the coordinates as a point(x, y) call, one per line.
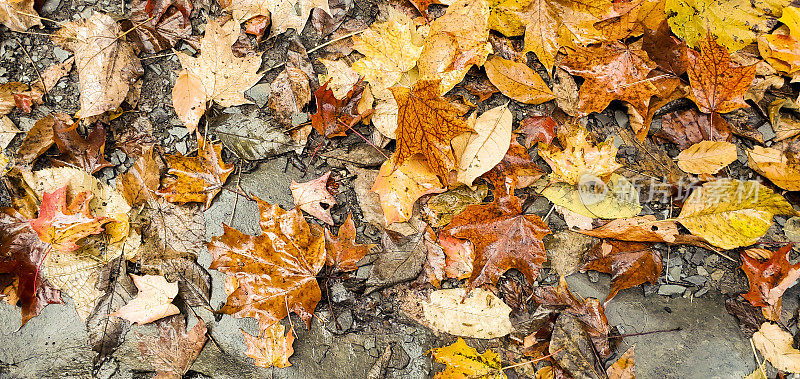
point(717, 83)
point(629, 263)
point(426, 123)
point(342, 252)
point(334, 116)
point(196, 179)
point(62, 225)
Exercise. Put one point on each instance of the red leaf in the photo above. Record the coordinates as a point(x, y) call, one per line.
point(335, 116)
point(537, 129)
point(61, 225)
point(770, 279)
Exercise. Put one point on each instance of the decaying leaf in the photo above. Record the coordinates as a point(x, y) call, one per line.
point(172, 353)
point(629, 263)
point(289, 93)
point(18, 15)
point(285, 14)
point(624, 367)
point(251, 137)
point(401, 260)
point(399, 186)
point(636, 229)
point(152, 302)
point(313, 197)
point(335, 116)
point(271, 348)
point(342, 252)
point(464, 361)
point(477, 314)
point(76, 151)
point(515, 170)
point(572, 349)
point(685, 128)
point(537, 129)
point(440, 209)
point(159, 25)
point(776, 345)
point(707, 157)
point(195, 179)
point(616, 198)
point(769, 280)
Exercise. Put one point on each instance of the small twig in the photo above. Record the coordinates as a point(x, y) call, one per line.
point(158, 56)
point(532, 360)
point(41, 79)
point(335, 40)
point(646, 333)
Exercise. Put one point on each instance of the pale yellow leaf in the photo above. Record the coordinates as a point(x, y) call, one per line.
point(487, 146)
point(617, 198)
point(707, 157)
point(776, 346)
point(480, 314)
point(152, 302)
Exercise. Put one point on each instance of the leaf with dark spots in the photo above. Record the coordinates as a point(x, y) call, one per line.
point(401, 260)
point(688, 127)
point(749, 316)
point(76, 151)
point(175, 349)
point(573, 351)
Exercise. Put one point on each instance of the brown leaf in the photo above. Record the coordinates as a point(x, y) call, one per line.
point(481, 87)
point(175, 349)
point(769, 280)
point(572, 349)
point(76, 151)
point(9, 95)
point(274, 273)
point(313, 197)
point(688, 127)
point(342, 252)
point(624, 367)
point(629, 263)
point(49, 79)
point(537, 129)
point(433, 268)
point(40, 138)
point(667, 51)
point(426, 122)
point(717, 83)
point(401, 260)
point(170, 230)
point(517, 81)
point(516, 170)
point(503, 237)
point(636, 229)
point(196, 179)
point(750, 317)
point(159, 24)
point(140, 183)
point(289, 93)
point(334, 116)
point(19, 15)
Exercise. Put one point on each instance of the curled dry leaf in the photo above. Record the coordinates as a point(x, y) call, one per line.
point(463, 361)
point(477, 314)
point(313, 197)
point(175, 349)
point(769, 280)
point(342, 252)
point(107, 64)
point(152, 302)
point(776, 345)
point(486, 147)
point(271, 348)
point(195, 179)
point(629, 263)
point(717, 83)
point(18, 15)
point(399, 186)
point(517, 81)
point(707, 157)
point(579, 157)
point(780, 168)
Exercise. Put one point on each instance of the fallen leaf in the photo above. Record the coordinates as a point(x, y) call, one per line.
point(274, 273)
point(780, 51)
point(62, 225)
point(579, 157)
point(779, 167)
point(140, 183)
point(463, 361)
point(49, 78)
point(707, 157)
point(76, 151)
point(572, 349)
point(175, 349)
point(21, 254)
point(515, 170)
point(459, 260)
point(617, 198)
point(732, 213)
point(7, 132)
point(517, 81)
point(216, 74)
point(503, 237)
point(342, 253)
point(334, 116)
point(667, 51)
point(159, 25)
point(759, 372)
point(574, 220)
point(482, 88)
point(636, 229)
point(195, 179)
point(433, 268)
point(565, 250)
point(285, 14)
point(785, 124)
point(735, 23)
point(440, 209)
point(107, 333)
point(631, 19)
point(9, 94)
point(40, 138)
point(776, 346)
point(688, 127)
point(170, 230)
point(271, 348)
point(253, 138)
point(289, 93)
point(194, 282)
point(107, 65)
point(399, 186)
point(340, 77)
point(401, 260)
point(749, 317)
point(486, 147)
point(313, 197)
point(770, 279)
point(717, 83)
point(19, 15)
point(537, 129)
point(152, 302)
point(477, 314)
point(624, 367)
point(629, 263)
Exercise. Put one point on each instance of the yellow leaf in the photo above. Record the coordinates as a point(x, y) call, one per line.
point(579, 157)
point(517, 81)
point(735, 23)
point(707, 157)
point(399, 187)
point(778, 167)
point(478, 314)
point(464, 361)
point(617, 198)
point(776, 346)
point(791, 18)
point(785, 124)
point(342, 77)
point(780, 51)
point(732, 213)
point(759, 372)
point(272, 348)
point(504, 17)
point(486, 147)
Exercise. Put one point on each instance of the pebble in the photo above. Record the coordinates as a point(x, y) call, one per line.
point(671, 289)
point(189, 49)
point(118, 157)
point(299, 118)
point(259, 93)
point(179, 132)
point(766, 131)
point(702, 292)
point(702, 271)
point(181, 147)
point(339, 293)
point(711, 261)
point(594, 276)
point(717, 275)
point(697, 280)
point(698, 257)
point(58, 98)
point(363, 272)
point(155, 68)
point(674, 273)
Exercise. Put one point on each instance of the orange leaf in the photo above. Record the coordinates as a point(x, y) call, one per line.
point(770, 279)
point(314, 198)
point(516, 170)
point(629, 263)
point(636, 229)
point(426, 122)
point(717, 83)
point(140, 183)
point(196, 179)
point(780, 51)
point(537, 129)
point(334, 116)
point(152, 302)
point(272, 348)
point(517, 81)
point(79, 152)
point(342, 252)
point(61, 225)
point(399, 187)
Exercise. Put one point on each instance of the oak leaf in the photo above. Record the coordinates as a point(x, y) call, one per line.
point(732, 213)
point(717, 83)
point(62, 225)
point(477, 314)
point(579, 157)
point(21, 254)
point(688, 127)
point(217, 74)
point(707, 157)
point(777, 347)
point(274, 273)
point(426, 123)
point(107, 64)
point(195, 179)
point(463, 361)
point(769, 280)
point(335, 116)
point(342, 253)
point(172, 353)
point(517, 81)
point(482, 150)
point(272, 348)
point(313, 197)
point(636, 229)
point(152, 302)
point(503, 238)
point(629, 263)
point(18, 15)
point(76, 151)
point(779, 167)
point(399, 186)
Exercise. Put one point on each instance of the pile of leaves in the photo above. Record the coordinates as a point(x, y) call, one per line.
point(477, 107)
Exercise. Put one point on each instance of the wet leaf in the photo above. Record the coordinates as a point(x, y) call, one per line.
point(780, 51)
point(629, 263)
point(175, 349)
point(334, 116)
point(271, 348)
point(732, 213)
point(289, 93)
point(399, 186)
point(171, 230)
point(274, 273)
point(617, 198)
point(477, 314)
point(401, 260)
point(779, 167)
point(685, 128)
point(785, 123)
point(106, 333)
point(159, 24)
point(707, 157)
point(503, 237)
point(40, 138)
point(464, 361)
point(195, 179)
point(769, 280)
point(516, 170)
point(486, 147)
point(537, 129)
point(152, 302)
point(749, 317)
point(440, 209)
point(517, 81)
point(140, 183)
point(717, 83)
point(636, 229)
point(579, 157)
point(776, 345)
point(664, 49)
point(459, 257)
point(342, 252)
point(572, 349)
point(285, 14)
point(62, 225)
point(76, 151)
point(313, 197)
point(18, 15)
point(252, 138)
point(624, 367)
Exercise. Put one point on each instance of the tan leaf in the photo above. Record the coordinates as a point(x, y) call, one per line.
point(477, 314)
point(313, 197)
point(188, 99)
point(517, 81)
point(776, 345)
point(196, 179)
point(18, 15)
point(707, 157)
point(779, 167)
point(7, 132)
point(486, 147)
point(284, 14)
point(579, 156)
point(272, 348)
point(289, 93)
point(152, 302)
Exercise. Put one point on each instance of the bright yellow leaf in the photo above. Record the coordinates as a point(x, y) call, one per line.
point(464, 361)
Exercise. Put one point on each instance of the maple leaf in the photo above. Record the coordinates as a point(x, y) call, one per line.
point(107, 64)
point(175, 348)
point(537, 129)
point(21, 254)
point(515, 170)
point(665, 50)
point(503, 238)
point(685, 128)
point(399, 186)
point(314, 198)
point(159, 24)
point(152, 302)
point(342, 252)
point(217, 74)
point(335, 116)
point(629, 263)
point(631, 19)
point(780, 51)
point(579, 157)
point(76, 151)
point(426, 122)
point(482, 150)
point(614, 71)
point(140, 183)
point(780, 167)
point(769, 280)
point(272, 348)
point(62, 225)
point(18, 15)
point(274, 273)
point(717, 83)
point(285, 14)
point(463, 361)
point(707, 157)
point(195, 179)
point(517, 81)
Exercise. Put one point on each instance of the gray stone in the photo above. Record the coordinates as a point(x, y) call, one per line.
point(339, 293)
point(299, 118)
point(698, 256)
point(702, 271)
point(671, 289)
point(594, 276)
point(118, 157)
point(179, 132)
point(766, 131)
point(702, 292)
point(50, 6)
point(697, 280)
point(181, 147)
point(259, 93)
point(345, 322)
point(61, 54)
